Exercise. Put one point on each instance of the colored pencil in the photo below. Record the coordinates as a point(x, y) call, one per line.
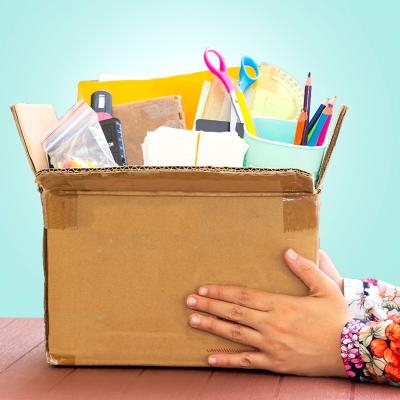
point(315, 117)
point(322, 135)
point(300, 127)
point(307, 105)
point(309, 86)
point(319, 126)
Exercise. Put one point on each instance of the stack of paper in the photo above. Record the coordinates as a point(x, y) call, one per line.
point(180, 147)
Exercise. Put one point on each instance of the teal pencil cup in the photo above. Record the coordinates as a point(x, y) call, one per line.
point(273, 147)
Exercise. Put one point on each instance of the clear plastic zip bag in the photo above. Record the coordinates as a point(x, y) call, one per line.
point(77, 141)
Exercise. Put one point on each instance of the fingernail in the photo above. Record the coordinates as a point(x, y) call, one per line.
point(292, 254)
point(212, 360)
point(195, 320)
point(203, 291)
point(191, 301)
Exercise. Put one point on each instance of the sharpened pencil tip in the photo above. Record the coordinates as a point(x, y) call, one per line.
point(309, 74)
point(333, 101)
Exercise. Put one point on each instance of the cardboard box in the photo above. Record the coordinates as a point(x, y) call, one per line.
point(123, 247)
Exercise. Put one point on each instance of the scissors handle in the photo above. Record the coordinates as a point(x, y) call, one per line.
point(245, 80)
point(221, 72)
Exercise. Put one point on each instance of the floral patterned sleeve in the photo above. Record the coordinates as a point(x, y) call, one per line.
point(370, 342)
point(371, 299)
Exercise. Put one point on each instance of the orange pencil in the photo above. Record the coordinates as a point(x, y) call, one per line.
point(301, 123)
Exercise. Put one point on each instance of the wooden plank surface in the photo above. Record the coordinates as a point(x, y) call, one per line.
point(31, 378)
point(315, 388)
point(376, 392)
point(25, 375)
point(18, 337)
point(229, 385)
point(169, 384)
point(94, 383)
point(5, 321)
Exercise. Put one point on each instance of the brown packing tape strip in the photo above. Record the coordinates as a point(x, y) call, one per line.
point(59, 210)
point(332, 144)
point(61, 207)
point(300, 212)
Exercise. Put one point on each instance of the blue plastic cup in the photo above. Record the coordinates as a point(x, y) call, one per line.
point(273, 147)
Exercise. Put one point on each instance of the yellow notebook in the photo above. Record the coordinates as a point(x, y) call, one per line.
point(187, 86)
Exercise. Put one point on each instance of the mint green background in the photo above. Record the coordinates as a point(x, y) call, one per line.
point(351, 47)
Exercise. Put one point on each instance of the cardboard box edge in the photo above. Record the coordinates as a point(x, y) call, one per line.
point(332, 144)
point(21, 136)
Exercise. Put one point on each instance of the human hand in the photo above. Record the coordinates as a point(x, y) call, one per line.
point(290, 334)
point(326, 265)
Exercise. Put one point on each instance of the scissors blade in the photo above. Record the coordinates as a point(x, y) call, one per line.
point(236, 106)
point(234, 119)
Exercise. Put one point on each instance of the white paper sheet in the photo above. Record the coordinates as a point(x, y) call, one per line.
point(177, 147)
point(221, 149)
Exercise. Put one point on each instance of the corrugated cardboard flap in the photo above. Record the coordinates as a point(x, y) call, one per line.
point(32, 121)
point(332, 144)
point(178, 179)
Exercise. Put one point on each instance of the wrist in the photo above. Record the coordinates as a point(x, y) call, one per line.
point(350, 350)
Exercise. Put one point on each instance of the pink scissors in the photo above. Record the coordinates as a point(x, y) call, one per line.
point(222, 74)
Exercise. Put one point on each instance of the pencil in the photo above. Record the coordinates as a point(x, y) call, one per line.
point(300, 127)
point(315, 117)
point(307, 96)
point(307, 105)
point(319, 127)
point(322, 135)
point(332, 102)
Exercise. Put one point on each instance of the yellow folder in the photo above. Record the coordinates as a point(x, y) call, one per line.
point(187, 86)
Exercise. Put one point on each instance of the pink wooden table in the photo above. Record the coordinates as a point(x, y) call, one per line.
point(24, 374)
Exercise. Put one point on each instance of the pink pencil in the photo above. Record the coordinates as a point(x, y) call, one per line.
point(324, 131)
